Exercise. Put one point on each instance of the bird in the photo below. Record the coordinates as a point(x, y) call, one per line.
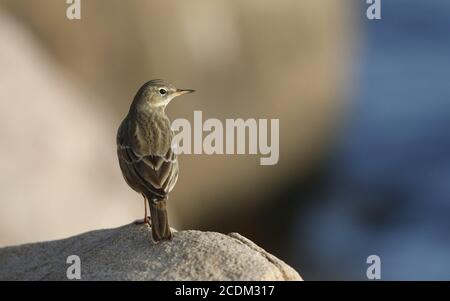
point(146, 155)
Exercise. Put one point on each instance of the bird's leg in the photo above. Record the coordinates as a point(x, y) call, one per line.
point(145, 220)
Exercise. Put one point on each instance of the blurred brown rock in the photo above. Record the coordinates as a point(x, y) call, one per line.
point(59, 172)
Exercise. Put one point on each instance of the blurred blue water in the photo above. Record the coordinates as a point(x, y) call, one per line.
point(389, 185)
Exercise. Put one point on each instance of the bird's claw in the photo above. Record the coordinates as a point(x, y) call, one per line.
point(143, 221)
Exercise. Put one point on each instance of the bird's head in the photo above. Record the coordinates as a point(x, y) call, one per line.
point(158, 93)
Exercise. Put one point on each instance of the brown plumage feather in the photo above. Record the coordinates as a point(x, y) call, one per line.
point(148, 162)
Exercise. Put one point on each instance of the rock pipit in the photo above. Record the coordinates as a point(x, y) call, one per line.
point(144, 146)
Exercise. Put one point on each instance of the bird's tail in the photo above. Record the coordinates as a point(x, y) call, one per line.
point(160, 221)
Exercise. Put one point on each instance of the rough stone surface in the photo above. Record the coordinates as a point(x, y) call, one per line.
point(128, 253)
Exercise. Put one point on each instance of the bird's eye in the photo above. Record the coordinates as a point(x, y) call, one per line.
point(162, 91)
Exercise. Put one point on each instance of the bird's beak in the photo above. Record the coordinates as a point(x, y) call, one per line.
point(183, 91)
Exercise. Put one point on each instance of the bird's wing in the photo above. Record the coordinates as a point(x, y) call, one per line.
point(157, 174)
point(155, 162)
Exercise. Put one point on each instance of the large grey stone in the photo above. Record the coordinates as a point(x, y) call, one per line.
point(128, 253)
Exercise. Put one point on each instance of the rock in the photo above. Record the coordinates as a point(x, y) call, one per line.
point(128, 253)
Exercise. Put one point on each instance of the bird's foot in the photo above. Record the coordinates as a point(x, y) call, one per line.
point(143, 221)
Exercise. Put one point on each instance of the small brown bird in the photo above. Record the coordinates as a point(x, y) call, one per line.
point(146, 157)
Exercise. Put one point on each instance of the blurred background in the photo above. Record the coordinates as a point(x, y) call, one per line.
point(363, 106)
